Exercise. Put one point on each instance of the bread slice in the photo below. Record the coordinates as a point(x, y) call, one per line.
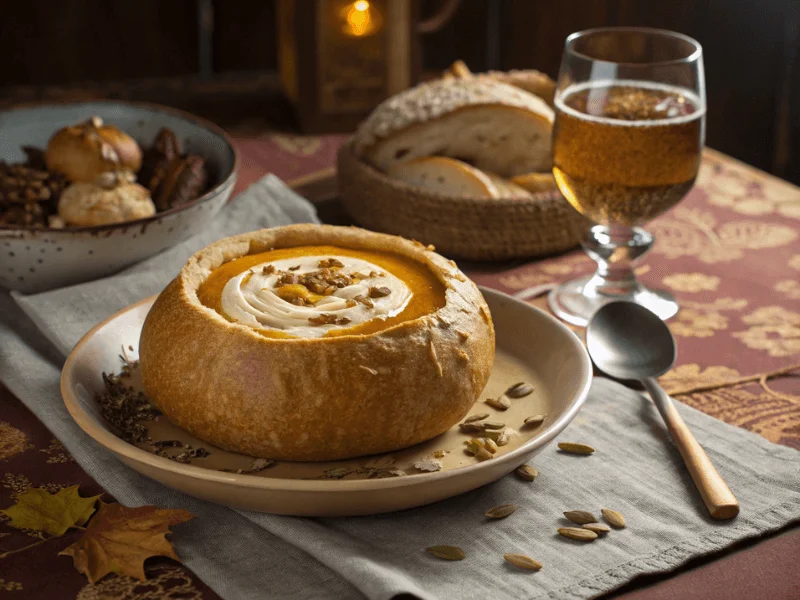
point(536, 182)
point(446, 176)
point(530, 80)
point(493, 126)
point(507, 188)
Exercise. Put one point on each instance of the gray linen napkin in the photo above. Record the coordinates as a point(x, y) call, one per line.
point(245, 555)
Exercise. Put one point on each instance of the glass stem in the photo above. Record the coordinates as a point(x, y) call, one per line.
point(615, 249)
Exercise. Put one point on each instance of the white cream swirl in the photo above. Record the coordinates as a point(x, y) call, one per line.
point(251, 298)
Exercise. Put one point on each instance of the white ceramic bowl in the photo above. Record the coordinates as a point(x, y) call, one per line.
point(34, 260)
point(532, 346)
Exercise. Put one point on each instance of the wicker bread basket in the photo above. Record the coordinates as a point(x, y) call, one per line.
point(461, 227)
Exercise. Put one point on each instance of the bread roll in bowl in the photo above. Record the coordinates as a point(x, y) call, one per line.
point(85, 150)
point(359, 389)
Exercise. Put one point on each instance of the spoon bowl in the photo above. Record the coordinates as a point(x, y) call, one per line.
point(627, 341)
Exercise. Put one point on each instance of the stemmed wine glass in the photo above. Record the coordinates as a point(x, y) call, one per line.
point(629, 130)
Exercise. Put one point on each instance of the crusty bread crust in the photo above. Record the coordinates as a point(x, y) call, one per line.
point(323, 398)
point(491, 125)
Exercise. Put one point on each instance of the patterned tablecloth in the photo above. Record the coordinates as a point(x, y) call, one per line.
point(730, 253)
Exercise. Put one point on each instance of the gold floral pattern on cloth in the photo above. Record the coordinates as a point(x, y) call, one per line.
point(774, 329)
point(794, 262)
point(691, 282)
point(697, 233)
point(774, 416)
point(56, 453)
point(12, 441)
point(790, 287)
point(163, 583)
point(735, 186)
point(297, 144)
point(704, 319)
point(10, 586)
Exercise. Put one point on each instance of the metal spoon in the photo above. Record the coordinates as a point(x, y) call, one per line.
point(627, 341)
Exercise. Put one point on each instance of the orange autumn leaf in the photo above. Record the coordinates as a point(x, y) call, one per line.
point(40, 510)
point(119, 539)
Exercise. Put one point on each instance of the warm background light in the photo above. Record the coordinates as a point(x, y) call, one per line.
point(360, 19)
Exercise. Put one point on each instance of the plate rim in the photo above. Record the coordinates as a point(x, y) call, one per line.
point(124, 450)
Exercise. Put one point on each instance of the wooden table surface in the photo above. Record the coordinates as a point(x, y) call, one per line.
point(730, 253)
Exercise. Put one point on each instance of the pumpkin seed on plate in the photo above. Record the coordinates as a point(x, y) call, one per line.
point(519, 390)
point(478, 417)
point(471, 427)
point(534, 420)
point(501, 403)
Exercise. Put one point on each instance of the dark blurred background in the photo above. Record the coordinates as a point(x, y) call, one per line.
point(221, 59)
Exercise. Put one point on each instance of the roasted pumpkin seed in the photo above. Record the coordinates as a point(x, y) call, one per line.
point(598, 528)
point(534, 420)
point(574, 448)
point(613, 518)
point(581, 517)
point(519, 390)
point(447, 552)
point(576, 533)
point(483, 454)
point(471, 427)
point(500, 512)
point(526, 473)
point(478, 417)
point(501, 403)
point(503, 438)
point(490, 445)
point(523, 562)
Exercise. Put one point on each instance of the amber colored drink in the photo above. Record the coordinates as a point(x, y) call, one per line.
point(626, 151)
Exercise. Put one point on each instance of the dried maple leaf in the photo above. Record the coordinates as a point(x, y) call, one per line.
point(40, 510)
point(119, 539)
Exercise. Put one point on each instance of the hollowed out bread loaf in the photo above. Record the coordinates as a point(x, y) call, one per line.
point(446, 176)
point(322, 398)
point(494, 126)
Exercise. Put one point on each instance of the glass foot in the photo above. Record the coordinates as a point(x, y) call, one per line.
point(576, 301)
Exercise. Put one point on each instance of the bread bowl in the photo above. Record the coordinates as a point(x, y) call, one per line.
point(305, 387)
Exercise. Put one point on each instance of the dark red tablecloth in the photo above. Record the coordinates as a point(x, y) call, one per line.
point(731, 254)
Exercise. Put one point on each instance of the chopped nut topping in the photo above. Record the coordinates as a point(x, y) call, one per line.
point(268, 270)
point(328, 319)
point(294, 268)
point(379, 292)
point(297, 294)
point(330, 263)
point(365, 301)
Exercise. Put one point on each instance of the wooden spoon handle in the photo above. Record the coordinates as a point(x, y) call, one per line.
point(716, 494)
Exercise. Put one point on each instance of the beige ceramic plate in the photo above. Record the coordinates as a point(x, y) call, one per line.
point(531, 346)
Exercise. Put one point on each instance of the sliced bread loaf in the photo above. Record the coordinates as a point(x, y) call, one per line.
point(507, 188)
point(445, 176)
point(493, 126)
point(536, 182)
